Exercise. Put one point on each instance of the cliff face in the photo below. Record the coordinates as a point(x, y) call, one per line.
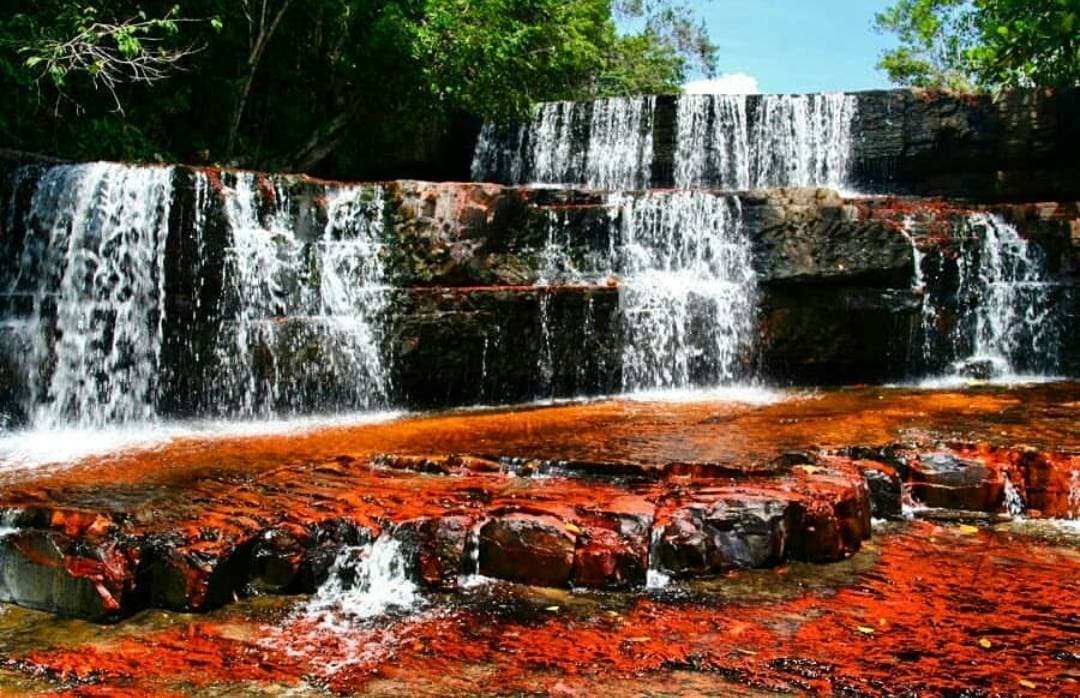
point(1022, 146)
point(500, 294)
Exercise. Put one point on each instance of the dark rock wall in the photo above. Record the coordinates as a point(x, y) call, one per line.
point(469, 323)
point(1023, 145)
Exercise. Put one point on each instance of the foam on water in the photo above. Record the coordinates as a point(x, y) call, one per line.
point(739, 394)
point(365, 582)
point(1014, 503)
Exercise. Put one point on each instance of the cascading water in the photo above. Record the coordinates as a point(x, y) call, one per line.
point(1013, 501)
point(95, 243)
point(322, 299)
point(605, 144)
point(688, 290)
point(688, 296)
point(1006, 323)
point(745, 142)
point(366, 581)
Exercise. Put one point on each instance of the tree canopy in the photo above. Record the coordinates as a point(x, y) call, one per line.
point(987, 44)
point(334, 86)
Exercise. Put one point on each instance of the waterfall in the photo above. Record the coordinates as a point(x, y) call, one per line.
point(656, 578)
point(712, 139)
point(929, 312)
point(1005, 305)
point(321, 299)
point(733, 142)
point(688, 289)
point(605, 144)
point(738, 142)
point(95, 243)
point(366, 581)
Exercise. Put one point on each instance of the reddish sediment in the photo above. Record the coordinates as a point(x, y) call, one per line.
point(930, 610)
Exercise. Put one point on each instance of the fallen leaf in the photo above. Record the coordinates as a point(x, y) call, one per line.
point(968, 530)
point(985, 644)
point(865, 630)
point(638, 639)
point(1028, 684)
point(552, 609)
point(571, 527)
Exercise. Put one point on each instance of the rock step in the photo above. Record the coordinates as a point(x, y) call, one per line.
point(102, 553)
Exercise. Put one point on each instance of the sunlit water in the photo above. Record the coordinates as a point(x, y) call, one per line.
point(25, 449)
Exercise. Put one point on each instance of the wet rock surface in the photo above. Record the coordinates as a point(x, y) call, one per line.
point(690, 490)
point(884, 622)
point(761, 514)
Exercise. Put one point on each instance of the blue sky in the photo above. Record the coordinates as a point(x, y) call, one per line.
point(799, 45)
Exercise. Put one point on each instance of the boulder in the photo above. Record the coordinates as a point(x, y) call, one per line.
point(437, 547)
point(613, 549)
point(734, 530)
point(885, 489)
point(945, 481)
point(1052, 483)
point(527, 548)
point(199, 576)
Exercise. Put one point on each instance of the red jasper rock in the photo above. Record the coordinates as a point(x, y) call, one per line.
point(277, 557)
point(527, 548)
point(199, 576)
point(946, 481)
point(1052, 483)
point(885, 489)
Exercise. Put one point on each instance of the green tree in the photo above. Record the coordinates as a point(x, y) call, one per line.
point(349, 88)
point(989, 44)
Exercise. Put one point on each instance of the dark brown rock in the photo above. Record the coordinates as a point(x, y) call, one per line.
point(731, 531)
point(526, 548)
point(885, 488)
point(199, 576)
point(438, 548)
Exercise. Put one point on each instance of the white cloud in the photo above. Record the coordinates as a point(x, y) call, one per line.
point(727, 84)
